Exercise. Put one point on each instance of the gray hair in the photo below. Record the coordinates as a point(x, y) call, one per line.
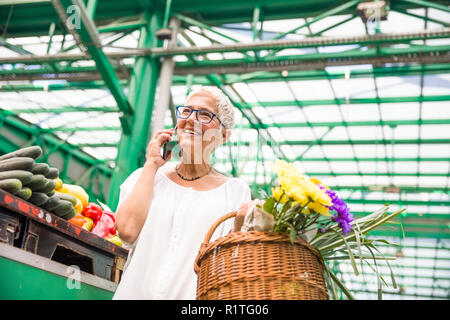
point(223, 103)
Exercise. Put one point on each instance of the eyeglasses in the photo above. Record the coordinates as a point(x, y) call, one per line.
point(204, 116)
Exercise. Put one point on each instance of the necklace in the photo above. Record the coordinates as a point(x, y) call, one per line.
point(191, 179)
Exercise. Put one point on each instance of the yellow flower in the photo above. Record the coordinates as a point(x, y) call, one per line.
point(317, 181)
point(317, 195)
point(317, 207)
point(296, 193)
point(283, 168)
point(278, 195)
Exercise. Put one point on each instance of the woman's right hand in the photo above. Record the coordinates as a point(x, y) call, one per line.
point(154, 158)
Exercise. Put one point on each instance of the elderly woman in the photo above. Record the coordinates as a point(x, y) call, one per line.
point(166, 208)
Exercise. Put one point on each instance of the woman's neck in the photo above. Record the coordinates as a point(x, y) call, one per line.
point(193, 170)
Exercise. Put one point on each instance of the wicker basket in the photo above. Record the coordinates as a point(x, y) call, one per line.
point(258, 266)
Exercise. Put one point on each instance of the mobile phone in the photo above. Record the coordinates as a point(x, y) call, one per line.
point(168, 146)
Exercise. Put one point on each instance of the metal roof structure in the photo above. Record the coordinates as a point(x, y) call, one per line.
point(357, 98)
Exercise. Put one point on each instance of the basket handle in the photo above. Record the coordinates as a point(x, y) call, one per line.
point(208, 238)
point(216, 224)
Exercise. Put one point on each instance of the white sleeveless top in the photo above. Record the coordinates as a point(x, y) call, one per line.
point(160, 264)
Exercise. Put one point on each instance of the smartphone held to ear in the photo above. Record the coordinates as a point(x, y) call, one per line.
point(168, 146)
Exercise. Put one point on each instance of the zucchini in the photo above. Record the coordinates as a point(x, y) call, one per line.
point(20, 163)
point(63, 207)
point(11, 185)
point(37, 181)
point(52, 173)
point(70, 214)
point(33, 152)
point(47, 187)
point(51, 203)
point(38, 198)
point(40, 168)
point(22, 175)
point(67, 197)
point(24, 193)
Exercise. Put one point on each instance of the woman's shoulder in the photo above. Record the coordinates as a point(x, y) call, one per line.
point(134, 176)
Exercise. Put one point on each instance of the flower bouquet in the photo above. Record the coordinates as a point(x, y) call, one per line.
point(303, 207)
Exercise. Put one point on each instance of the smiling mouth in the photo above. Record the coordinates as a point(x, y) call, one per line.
point(191, 132)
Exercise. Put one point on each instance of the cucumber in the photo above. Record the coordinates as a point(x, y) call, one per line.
point(20, 163)
point(67, 197)
point(22, 175)
point(51, 203)
point(52, 173)
point(37, 181)
point(47, 187)
point(40, 168)
point(70, 214)
point(63, 208)
point(24, 193)
point(11, 185)
point(33, 152)
point(38, 198)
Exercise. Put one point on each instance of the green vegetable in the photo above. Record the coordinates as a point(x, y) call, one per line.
point(33, 152)
point(22, 175)
point(52, 173)
point(47, 187)
point(37, 181)
point(51, 203)
point(24, 193)
point(38, 198)
point(11, 185)
point(40, 168)
point(63, 208)
point(21, 163)
point(67, 197)
point(70, 214)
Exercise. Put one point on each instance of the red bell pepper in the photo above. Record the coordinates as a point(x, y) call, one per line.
point(102, 226)
point(93, 211)
point(111, 222)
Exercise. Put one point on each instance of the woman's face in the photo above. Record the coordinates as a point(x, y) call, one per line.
point(196, 139)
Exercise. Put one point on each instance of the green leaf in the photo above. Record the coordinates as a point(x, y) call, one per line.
point(358, 242)
point(292, 234)
point(394, 283)
point(379, 285)
point(269, 204)
point(331, 284)
point(340, 284)
point(350, 253)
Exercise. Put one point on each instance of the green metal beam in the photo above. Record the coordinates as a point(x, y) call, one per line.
point(371, 174)
point(429, 4)
point(61, 110)
point(143, 84)
point(326, 14)
point(397, 71)
point(346, 142)
point(357, 123)
point(91, 41)
point(56, 86)
point(33, 130)
point(343, 101)
point(350, 54)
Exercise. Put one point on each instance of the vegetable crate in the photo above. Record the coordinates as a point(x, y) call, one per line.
point(47, 237)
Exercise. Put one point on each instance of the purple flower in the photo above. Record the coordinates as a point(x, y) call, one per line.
point(342, 216)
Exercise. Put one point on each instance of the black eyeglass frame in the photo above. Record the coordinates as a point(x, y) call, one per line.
point(196, 114)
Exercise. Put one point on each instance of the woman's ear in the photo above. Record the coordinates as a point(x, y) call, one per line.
point(226, 134)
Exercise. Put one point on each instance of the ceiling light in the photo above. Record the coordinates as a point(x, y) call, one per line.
point(372, 11)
